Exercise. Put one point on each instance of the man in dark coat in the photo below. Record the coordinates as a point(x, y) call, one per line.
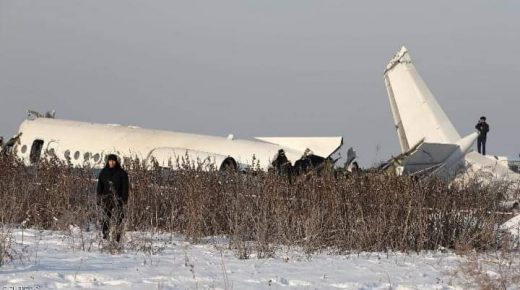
point(308, 162)
point(112, 195)
point(482, 128)
point(282, 165)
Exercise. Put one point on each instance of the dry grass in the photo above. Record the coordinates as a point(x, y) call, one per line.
point(491, 270)
point(6, 254)
point(260, 211)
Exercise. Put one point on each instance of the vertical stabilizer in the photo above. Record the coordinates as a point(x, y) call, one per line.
point(416, 113)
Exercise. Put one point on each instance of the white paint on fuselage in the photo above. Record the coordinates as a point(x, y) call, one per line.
point(88, 144)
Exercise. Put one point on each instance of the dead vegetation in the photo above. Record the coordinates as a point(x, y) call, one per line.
point(6, 254)
point(260, 211)
point(490, 269)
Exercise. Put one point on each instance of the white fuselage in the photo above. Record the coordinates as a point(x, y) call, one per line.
point(83, 143)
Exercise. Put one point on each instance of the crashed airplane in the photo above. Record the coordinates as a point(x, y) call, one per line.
point(87, 144)
point(430, 144)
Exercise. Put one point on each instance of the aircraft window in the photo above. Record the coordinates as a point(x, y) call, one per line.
point(36, 150)
point(67, 154)
point(24, 148)
point(86, 156)
point(96, 157)
point(76, 155)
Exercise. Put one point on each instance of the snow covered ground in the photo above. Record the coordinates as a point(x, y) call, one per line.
point(50, 259)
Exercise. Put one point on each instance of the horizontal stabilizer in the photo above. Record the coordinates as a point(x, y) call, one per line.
point(431, 153)
point(446, 159)
point(428, 155)
point(320, 146)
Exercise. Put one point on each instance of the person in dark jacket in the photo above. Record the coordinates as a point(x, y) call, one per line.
point(282, 165)
point(355, 168)
point(482, 128)
point(307, 163)
point(112, 195)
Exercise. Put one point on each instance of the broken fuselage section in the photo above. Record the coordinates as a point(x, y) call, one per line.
point(88, 144)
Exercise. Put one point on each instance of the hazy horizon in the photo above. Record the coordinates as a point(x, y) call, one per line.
point(259, 68)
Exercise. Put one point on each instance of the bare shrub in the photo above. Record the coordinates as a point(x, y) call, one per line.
point(260, 211)
point(6, 252)
point(48, 195)
point(491, 270)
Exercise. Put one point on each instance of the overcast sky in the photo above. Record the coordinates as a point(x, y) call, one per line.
point(260, 68)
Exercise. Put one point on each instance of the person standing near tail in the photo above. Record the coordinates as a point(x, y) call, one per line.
point(482, 128)
point(112, 195)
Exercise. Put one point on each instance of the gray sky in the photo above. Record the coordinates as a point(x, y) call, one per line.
point(260, 67)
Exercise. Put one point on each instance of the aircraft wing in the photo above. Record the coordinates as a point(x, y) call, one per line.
point(320, 146)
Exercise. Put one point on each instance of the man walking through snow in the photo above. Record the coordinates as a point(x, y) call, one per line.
point(112, 195)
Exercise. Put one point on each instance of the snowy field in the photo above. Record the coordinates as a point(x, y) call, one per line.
point(49, 260)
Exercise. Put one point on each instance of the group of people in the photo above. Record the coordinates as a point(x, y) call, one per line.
point(113, 183)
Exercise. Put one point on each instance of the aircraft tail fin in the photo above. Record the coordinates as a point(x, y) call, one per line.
point(417, 115)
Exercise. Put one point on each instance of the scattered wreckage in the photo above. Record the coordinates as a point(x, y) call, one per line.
point(430, 144)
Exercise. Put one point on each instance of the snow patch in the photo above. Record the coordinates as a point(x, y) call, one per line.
point(56, 260)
